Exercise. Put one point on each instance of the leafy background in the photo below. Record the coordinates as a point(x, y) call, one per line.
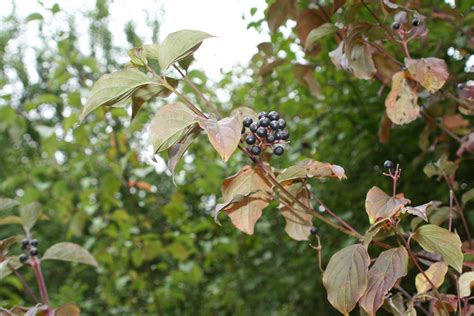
point(158, 248)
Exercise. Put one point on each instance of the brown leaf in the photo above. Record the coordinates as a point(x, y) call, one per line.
point(360, 61)
point(430, 72)
point(435, 273)
point(305, 75)
point(298, 222)
point(267, 69)
point(224, 134)
point(309, 169)
point(379, 205)
point(308, 20)
point(390, 266)
point(385, 66)
point(384, 129)
point(401, 102)
point(177, 151)
point(278, 14)
point(245, 213)
point(455, 122)
point(67, 310)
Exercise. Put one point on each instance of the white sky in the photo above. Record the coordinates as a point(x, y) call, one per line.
point(223, 18)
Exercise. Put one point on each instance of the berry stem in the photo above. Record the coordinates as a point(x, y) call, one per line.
point(23, 282)
point(41, 284)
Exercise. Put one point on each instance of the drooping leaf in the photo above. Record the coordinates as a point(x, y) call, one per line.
point(361, 62)
point(235, 199)
point(147, 92)
point(224, 134)
point(179, 45)
point(402, 101)
point(386, 67)
point(431, 72)
point(7, 243)
point(318, 33)
point(5, 265)
point(308, 20)
point(345, 277)
point(114, 88)
point(66, 251)
point(309, 169)
point(379, 205)
point(390, 266)
point(439, 240)
point(33, 17)
point(419, 210)
point(29, 214)
point(67, 310)
point(277, 14)
point(177, 151)
point(246, 212)
point(466, 281)
point(6, 203)
point(170, 125)
point(436, 273)
point(298, 221)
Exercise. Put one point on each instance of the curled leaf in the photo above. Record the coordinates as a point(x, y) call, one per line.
point(298, 221)
point(466, 281)
point(419, 211)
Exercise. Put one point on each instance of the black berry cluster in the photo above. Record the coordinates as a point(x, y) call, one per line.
point(30, 248)
point(267, 132)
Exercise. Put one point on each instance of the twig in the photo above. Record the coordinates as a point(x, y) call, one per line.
point(23, 282)
point(318, 249)
point(450, 209)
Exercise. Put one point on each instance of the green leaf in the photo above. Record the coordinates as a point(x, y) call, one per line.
point(33, 17)
point(442, 167)
point(256, 192)
point(29, 214)
point(149, 91)
point(466, 281)
point(138, 56)
point(224, 134)
point(114, 88)
point(66, 251)
point(390, 266)
point(170, 125)
point(436, 273)
point(5, 269)
point(380, 205)
point(402, 101)
point(345, 277)
point(7, 243)
point(179, 45)
point(6, 203)
point(309, 169)
point(439, 240)
point(12, 219)
point(431, 72)
point(466, 197)
point(55, 8)
point(318, 33)
point(298, 221)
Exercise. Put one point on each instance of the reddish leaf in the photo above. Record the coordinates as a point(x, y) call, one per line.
point(307, 21)
point(67, 310)
point(224, 134)
point(246, 212)
point(278, 14)
point(267, 69)
point(431, 72)
point(345, 277)
point(305, 75)
point(454, 122)
point(401, 102)
point(298, 222)
point(385, 66)
point(384, 129)
point(390, 266)
point(379, 205)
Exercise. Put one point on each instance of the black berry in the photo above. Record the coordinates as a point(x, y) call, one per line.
point(262, 114)
point(251, 139)
point(34, 243)
point(415, 22)
point(247, 121)
point(24, 243)
point(253, 127)
point(281, 123)
point(264, 121)
point(261, 131)
point(388, 164)
point(255, 150)
point(23, 258)
point(284, 134)
point(313, 230)
point(278, 150)
point(396, 26)
point(34, 252)
point(273, 115)
point(274, 125)
point(271, 138)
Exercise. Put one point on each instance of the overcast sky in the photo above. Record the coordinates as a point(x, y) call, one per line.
point(222, 18)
